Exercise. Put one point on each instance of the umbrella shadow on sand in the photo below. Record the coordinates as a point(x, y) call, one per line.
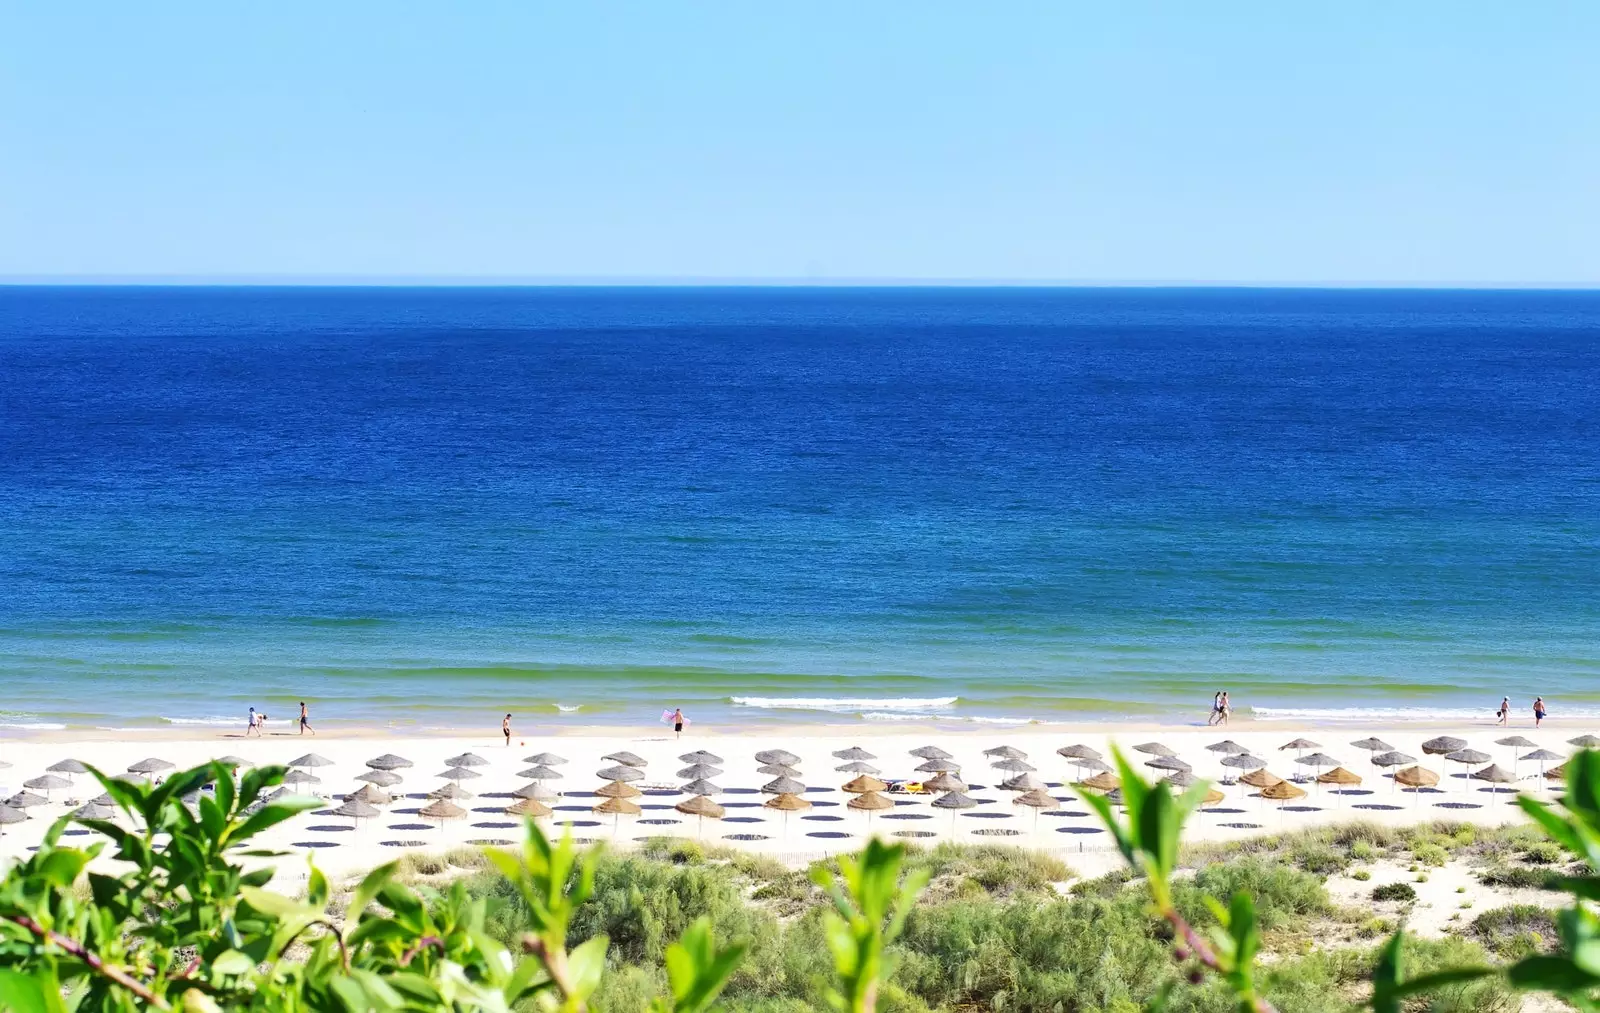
point(329, 828)
point(1379, 806)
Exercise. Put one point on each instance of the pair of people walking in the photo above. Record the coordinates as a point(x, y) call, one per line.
point(1539, 711)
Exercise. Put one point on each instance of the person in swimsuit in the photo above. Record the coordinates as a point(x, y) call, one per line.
point(1538, 710)
point(305, 720)
point(1504, 713)
point(251, 725)
point(677, 722)
point(505, 728)
point(1216, 708)
point(1224, 709)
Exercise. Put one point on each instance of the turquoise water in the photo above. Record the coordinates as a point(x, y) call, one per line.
point(426, 507)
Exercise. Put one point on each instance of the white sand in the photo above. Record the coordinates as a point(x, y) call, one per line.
point(1067, 831)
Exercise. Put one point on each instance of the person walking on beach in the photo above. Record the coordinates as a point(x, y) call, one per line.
point(1504, 713)
point(505, 728)
point(677, 722)
point(1216, 708)
point(252, 726)
point(1224, 709)
point(305, 720)
point(1538, 711)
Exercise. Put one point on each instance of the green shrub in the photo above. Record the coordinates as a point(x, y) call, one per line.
point(1429, 853)
point(1361, 875)
point(1403, 892)
point(1543, 853)
point(1363, 851)
point(1518, 877)
point(1515, 930)
point(1319, 858)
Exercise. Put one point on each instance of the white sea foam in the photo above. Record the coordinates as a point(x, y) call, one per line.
point(887, 716)
point(37, 726)
point(215, 721)
point(1383, 715)
point(840, 705)
point(568, 708)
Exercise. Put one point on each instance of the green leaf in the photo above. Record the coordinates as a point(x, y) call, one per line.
point(368, 889)
point(30, 993)
point(1551, 974)
point(1386, 976)
point(232, 962)
point(269, 816)
point(270, 903)
point(586, 964)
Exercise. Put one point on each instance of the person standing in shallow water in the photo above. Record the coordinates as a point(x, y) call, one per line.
point(505, 728)
point(305, 720)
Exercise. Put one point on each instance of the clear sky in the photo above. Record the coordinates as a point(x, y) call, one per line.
point(1451, 141)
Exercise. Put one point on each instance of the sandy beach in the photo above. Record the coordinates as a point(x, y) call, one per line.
point(1067, 830)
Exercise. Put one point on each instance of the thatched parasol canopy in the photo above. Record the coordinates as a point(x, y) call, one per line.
point(1103, 781)
point(626, 759)
point(699, 805)
point(93, 811)
point(1012, 766)
point(1212, 797)
point(535, 790)
point(308, 760)
point(1585, 742)
point(540, 773)
point(300, 777)
point(1556, 773)
point(930, 753)
point(452, 790)
point(1261, 777)
point(1167, 763)
point(857, 767)
point(1338, 775)
point(1226, 746)
point(1079, 752)
point(945, 782)
point(1023, 782)
point(954, 800)
point(1283, 791)
point(700, 756)
point(1443, 744)
point(618, 807)
point(699, 771)
point(1468, 756)
point(617, 789)
point(783, 786)
point(1300, 744)
point(863, 784)
point(381, 778)
point(620, 774)
point(458, 774)
point(938, 767)
point(853, 753)
point(356, 809)
point(441, 809)
point(1244, 761)
point(782, 756)
point(1494, 774)
point(372, 795)
point(778, 770)
point(466, 760)
point(1036, 799)
point(1317, 760)
point(701, 786)
point(233, 762)
point(48, 783)
point(1155, 749)
point(1517, 741)
point(1416, 777)
point(68, 767)
point(151, 765)
point(1181, 779)
point(545, 760)
point(787, 803)
point(530, 807)
point(1542, 755)
point(388, 761)
point(1373, 745)
point(11, 814)
point(1393, 758)
point(870, 801)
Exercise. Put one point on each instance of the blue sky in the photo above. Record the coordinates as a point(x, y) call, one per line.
point(1417, 142)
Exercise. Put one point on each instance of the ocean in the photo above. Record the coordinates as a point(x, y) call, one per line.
point(424, 507)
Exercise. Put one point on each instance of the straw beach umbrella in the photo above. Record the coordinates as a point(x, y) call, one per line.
point(540, 773)
point(1299, 746)
point(930, 753)
point(451, 790)
point(1494, 774)
point(787, 804)
point(783, 786)
point(1005, 753)
point(619, 789)
point(1373, 746)
point(1543, 756)
point(857, 767)
point(863, 784)
point(388, 761)
point(617, 808)
point(531, 808)
point(299, 777)
point(1243, 761)
point(380, 778)
point(68, 767)
point(701, 808)
point(954, 801)
point(869, 802)
point(48, 783)
point(1585, 742)
point(1283, 792)
point(1516, 743)
point(944, 782)
point(536, 790)
point(625, 759)
point(1393, 758)
point(466, 760)
point(1468, 757)
point(1442, 745)
point(1556, 773)
point(778, 770)
point(458, 774)
point(1102, 782)
point(545, 760)
point(1077, 753)
point(307, 761)
point(356, 810)
point(1416, 778)
point(10, 815)
point(1167, 763)
point(1227, 747)
point(94, 811)
point(371, 794)
point(701, 786)
point(700, 756)
point(696, 771)
point(152, 765)
point(782, 756)
point(1181, 779)
point(853, 753)
point(1023, 782)
point(1155, 749)
point(1341, 777)
point(938, 767)
point(1012, 766)
point(441, 810)
point(620, 773)
point(233, 763)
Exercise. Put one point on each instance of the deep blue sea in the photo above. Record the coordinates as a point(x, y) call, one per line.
point(426, 507)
